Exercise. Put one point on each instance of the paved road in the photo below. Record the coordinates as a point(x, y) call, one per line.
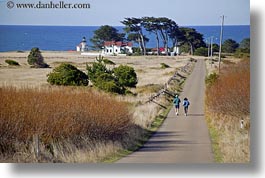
point(180, 139)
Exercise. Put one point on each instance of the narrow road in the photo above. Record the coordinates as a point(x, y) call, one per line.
point(180, 139)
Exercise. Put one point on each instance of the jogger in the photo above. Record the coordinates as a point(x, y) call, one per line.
point(176, 102)
point(186, 104)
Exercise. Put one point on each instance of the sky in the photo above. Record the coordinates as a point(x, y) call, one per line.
point(111, 12)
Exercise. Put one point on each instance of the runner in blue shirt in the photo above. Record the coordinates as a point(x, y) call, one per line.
point(186, 104)
point(176, 102)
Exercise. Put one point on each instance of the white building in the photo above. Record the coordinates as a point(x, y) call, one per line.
point(117, 47)
point(82, 45)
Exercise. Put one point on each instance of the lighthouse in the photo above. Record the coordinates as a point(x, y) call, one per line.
point(82, 45)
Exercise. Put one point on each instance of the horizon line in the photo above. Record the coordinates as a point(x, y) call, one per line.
point(107, 24)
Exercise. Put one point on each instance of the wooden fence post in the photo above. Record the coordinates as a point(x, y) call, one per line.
point(241, 124)
point(36, 145)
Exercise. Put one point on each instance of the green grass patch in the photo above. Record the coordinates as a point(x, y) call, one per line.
point(214, 134)
point(159, 120)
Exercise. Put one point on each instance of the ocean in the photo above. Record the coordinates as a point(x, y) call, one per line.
point(64, 38)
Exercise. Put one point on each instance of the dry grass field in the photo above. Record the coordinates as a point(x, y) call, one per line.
point(227, 105)
point(76, 124)
point(148, 68)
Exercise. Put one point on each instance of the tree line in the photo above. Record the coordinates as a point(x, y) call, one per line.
point(164, 29)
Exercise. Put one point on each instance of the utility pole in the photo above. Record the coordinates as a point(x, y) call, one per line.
point(221, 39)
point(211, 46)
point(208, 44)
point(211, 50)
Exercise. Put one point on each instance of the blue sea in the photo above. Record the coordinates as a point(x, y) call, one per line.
point(64, 38)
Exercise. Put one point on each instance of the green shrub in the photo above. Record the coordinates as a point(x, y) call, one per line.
point(96, 70)
point(67, 74)
point(111, 80)
point(136, 51)
point(230, 46)
point(107, 82)
point(242, 53)
point(211, 79)
point(164, 66)
point(201, 51)
point(12, 63)
point(126, 76)
point(35, 59)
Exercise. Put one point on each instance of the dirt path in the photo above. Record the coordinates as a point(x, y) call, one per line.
point(180, 139)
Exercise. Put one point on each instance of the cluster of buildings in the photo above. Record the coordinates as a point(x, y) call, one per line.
point(119, 47)
point(109, 48)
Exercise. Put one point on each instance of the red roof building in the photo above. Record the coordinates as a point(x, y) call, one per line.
point(117, 47)
point(118, 43)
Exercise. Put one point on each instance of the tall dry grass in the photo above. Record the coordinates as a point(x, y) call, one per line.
point(227, 103)
point(231, 92)
point(57, 115)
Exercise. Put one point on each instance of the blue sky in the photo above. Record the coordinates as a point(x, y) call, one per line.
point(111, 12)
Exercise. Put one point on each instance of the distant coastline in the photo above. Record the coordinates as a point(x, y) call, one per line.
point(65, 38)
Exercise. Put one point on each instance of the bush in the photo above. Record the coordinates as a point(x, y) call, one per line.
point(96, 70)
point(245, 45)
point(125, 75)
point(242, 53)
point(136, 51)
point(67, 74)
point(106, 82)
point(110, 86)
point(211, 79)
point(201, 51)
point(111, 80)
point(35, 59)
point(230, 46)
point(164, 66)
point(12, 63)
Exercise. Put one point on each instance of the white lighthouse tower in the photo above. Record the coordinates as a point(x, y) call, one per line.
point(82, 45)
